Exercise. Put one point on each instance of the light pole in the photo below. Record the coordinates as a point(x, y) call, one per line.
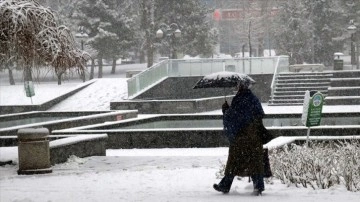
point(171, 32)
point(82, 35)
point(354, 46)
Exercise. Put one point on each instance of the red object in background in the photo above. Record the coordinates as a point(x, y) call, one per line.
point(217, 15)
point(119, 117)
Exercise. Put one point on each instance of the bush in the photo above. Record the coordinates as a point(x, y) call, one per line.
point(320, 165)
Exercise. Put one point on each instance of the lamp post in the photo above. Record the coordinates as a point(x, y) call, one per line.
point(354, 47)
point(171, 32)
point(82, 35)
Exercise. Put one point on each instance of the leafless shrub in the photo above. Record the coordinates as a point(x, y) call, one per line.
point(320, 166)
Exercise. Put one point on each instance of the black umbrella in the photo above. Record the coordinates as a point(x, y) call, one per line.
point(224, 79)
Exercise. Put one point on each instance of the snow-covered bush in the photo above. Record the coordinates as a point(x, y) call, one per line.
point(320, 165)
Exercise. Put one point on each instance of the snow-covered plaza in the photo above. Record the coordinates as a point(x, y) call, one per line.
point(139, 174)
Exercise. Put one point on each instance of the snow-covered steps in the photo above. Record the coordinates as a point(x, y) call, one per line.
point(290, 88)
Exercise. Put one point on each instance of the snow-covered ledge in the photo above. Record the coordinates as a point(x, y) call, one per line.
point(78, 145)
point(285, 140)
point(62, 149)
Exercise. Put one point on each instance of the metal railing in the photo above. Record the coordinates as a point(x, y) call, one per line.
point(201, 67)
point(282, 65)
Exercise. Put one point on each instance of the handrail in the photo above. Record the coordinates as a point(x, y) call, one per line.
point(277, 70)
point(273, 79)
point(200, 67)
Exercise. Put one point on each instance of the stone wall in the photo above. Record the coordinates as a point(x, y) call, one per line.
point(182, 88)
point(80, 146)
point(71, 119)
point(171, 106)
point(176, 95)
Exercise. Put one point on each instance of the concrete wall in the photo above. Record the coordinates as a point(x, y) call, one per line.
point(80, 146)
point(61, 149)
point(200, 138)
point(176, 95)
point(171, 106)
point(182, 88)
point(75, 119)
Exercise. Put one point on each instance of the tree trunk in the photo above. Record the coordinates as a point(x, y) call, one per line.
point(100, 72)
point(150, 55)
point(113, 66)
point(82, 75)
point(249, 38)
point(11, 76)
point(261, 47)
point(142, 56)
point(148, 23)
point(27, 73)
point(92, 69)
point(59, 78)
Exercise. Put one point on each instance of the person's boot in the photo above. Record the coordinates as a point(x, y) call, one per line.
point(221, 189)
point(258, 182)
point(257, 192)
point(225, 184)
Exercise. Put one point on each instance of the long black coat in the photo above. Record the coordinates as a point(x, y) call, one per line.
point(246, 149)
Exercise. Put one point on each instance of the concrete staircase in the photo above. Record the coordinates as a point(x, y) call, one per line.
point(344, 89)
point(290, 87)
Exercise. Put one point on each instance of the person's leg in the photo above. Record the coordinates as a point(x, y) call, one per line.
point(258, 182)
point(225, 184)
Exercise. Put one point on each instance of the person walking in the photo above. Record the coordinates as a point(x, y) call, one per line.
point(243, 127)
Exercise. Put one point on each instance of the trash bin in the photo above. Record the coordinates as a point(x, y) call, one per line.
point(33, 151)
point(338, 64)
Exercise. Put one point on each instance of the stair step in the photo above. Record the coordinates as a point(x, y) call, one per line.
point(286, 104)
point(302, 88)
point(291, 96)
point(286, 97)
point(296, 91)
point(306, 73)
point(288, 100)
point(290, 88)
point(304, 76)
point(303, 80)
point(304, 84)
point(345, 88)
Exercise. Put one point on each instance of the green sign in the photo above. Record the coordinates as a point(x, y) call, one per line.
point(314, 110)
point(29, 88)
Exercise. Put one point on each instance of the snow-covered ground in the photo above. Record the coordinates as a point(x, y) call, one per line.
point(139, 174)
point(149, 175)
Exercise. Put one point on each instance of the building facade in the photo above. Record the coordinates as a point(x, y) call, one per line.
point(245, 26)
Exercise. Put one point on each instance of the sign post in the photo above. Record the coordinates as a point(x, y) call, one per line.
point(29, 89)
point(312, 109)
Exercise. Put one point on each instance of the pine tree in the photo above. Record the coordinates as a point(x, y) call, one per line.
point(308, 30)
point(110, 28)
point(197, 34)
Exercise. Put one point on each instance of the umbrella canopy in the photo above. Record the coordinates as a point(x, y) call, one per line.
point(224, 79)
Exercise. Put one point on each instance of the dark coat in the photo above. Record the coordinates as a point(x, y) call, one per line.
point(244, 109)
point(242, 124)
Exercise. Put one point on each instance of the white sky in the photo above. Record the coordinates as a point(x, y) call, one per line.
point(138, 174)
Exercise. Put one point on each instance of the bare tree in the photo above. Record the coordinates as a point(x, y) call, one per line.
point(29, 31)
